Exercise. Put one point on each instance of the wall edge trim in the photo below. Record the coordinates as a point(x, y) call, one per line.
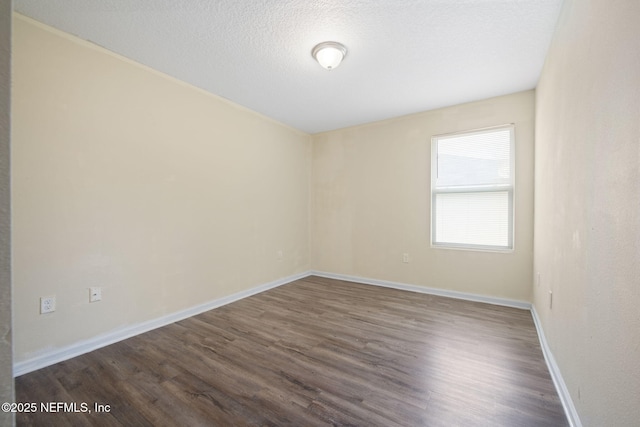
point(556, 375)
point(85, 346)
point(427, 290)
point(57, 355)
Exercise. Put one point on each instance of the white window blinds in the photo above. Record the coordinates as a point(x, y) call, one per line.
point(472, 189)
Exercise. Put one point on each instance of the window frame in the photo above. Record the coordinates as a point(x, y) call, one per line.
point(510, 188)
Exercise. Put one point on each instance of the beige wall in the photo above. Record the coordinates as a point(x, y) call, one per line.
point(371, 202)
point(164, 195)
point(168, 197)
point(587, 238)
point(6, 371)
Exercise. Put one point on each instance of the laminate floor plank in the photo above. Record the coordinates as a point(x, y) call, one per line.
point(315, 352)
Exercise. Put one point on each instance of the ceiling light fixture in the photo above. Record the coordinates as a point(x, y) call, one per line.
point(329, 54)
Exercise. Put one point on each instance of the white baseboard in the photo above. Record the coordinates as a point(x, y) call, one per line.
point(79, 348)
point(425, 290)
point(554, 370)
point(60, 354)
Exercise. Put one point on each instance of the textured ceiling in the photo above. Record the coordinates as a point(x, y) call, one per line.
point(404, 56)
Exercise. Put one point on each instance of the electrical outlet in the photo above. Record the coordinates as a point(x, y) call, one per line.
point(538, 279)
point(279, 255)
point(47, 304)
point(550, 299)
point(405, 257)
point(95, 294)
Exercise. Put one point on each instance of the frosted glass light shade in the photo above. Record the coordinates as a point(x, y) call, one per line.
point(329, 54)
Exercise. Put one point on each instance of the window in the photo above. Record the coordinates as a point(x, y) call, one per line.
point(472, 180)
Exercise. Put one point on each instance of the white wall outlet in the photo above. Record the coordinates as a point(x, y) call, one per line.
point(95, 294)
point(47, 304)
point(538, 279)
point(550, 299)
point(279, 255)
point(405, 257)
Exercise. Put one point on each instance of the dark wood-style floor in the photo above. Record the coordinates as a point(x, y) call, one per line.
point(315, 352)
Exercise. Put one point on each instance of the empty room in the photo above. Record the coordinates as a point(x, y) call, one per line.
point(313, 213)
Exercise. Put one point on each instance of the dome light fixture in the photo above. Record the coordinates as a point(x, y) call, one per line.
point(329, 54)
